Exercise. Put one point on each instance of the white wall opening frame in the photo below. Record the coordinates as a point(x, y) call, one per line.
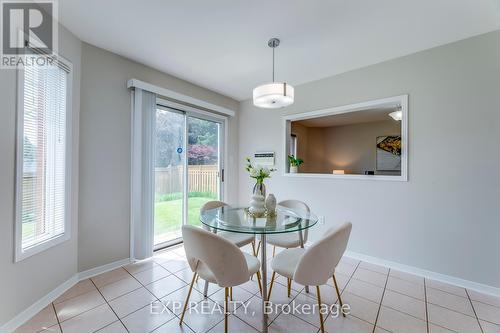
point(401, 100)
point(19, 252)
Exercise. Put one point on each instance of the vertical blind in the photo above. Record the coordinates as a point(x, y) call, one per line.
point(43, 189)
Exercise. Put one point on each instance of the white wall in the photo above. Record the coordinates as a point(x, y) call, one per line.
point(105, 130)
point(446, 217)
point(25, 282)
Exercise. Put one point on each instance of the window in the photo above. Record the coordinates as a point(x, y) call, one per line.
point(42, 159)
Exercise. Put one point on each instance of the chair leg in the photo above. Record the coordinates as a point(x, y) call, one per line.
point(205, 290)
point(187, 298)
point(226, 308)
point(338, 294)
point(231, 294)
point(260, 284)
point(319, 309)
point(271, 286)
point(254, 254)
point(289, 287)
point(274, 250)
point(258, 249)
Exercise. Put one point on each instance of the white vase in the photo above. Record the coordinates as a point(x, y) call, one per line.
point(294, 169)
point(257, 204)
point(271, 203)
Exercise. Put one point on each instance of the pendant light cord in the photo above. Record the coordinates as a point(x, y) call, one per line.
point(273, 63)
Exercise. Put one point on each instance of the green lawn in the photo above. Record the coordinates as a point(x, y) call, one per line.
point(168, 214)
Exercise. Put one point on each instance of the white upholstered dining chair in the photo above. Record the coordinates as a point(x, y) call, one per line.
point(315, 265)
point(237, 239)
point(216, 260)
point(292, 239)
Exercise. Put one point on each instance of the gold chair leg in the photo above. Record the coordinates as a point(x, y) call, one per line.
point(260, 284)
point(226, 308)
point(338, 295)
point(231, 294)
point(271, 286)
point(187, 298)
point(274, 250)
point(319, 307)
point(289, 285)
point(258, 249)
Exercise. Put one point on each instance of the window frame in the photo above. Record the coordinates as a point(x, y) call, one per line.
point(19, 253)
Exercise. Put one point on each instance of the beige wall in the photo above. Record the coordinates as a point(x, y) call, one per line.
point(105, 150)
point(445, 218)
point(353, 147)
point(23, 283)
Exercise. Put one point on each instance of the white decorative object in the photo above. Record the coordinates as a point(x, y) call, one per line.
point(275, 94)
point(257, 204)
point(270, 203)
point(294, 169)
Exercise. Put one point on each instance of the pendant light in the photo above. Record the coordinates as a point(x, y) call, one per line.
point(276, 94)
point(397, 115)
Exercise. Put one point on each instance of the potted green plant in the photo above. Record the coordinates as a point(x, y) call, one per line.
point(295, 162)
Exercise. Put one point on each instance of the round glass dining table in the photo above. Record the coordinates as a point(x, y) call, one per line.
point(238, 219)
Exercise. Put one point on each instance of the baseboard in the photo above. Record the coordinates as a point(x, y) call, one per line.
point(102, 269)
point(39, 305)
point(479, 287)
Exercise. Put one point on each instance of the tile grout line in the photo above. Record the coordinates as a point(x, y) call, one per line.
point(474, 309)
point(351, 277)
point(381, 300)
point(426, 309)
point(57, 317)
point(107, 303)
point(175, 316)
point(157, 298)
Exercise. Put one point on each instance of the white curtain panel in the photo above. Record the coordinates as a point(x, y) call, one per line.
point(142, 197)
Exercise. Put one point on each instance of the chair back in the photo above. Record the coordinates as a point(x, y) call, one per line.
point(224, 259)
point(318, 262)
point(301, 207)
point(211, 205)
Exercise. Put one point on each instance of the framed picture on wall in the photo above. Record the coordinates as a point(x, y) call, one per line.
point(388, 153)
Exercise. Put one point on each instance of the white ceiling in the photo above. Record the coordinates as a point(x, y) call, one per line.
point(222, 44)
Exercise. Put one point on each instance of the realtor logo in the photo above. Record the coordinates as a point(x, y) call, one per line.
point(29, 31)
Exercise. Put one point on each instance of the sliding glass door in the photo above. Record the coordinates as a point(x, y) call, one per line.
point(187, 171)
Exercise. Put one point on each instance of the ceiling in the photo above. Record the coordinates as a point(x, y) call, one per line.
point(350, 118)
point(222, 44)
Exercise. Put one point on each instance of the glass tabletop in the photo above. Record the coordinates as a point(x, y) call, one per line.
point(237, 219)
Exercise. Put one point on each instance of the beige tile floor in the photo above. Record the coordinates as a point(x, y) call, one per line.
point(381, 300)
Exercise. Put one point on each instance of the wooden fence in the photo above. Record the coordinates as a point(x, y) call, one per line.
point(201, 178)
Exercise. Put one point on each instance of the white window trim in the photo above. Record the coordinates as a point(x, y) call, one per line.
point(19, 253)
point(160, 91)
